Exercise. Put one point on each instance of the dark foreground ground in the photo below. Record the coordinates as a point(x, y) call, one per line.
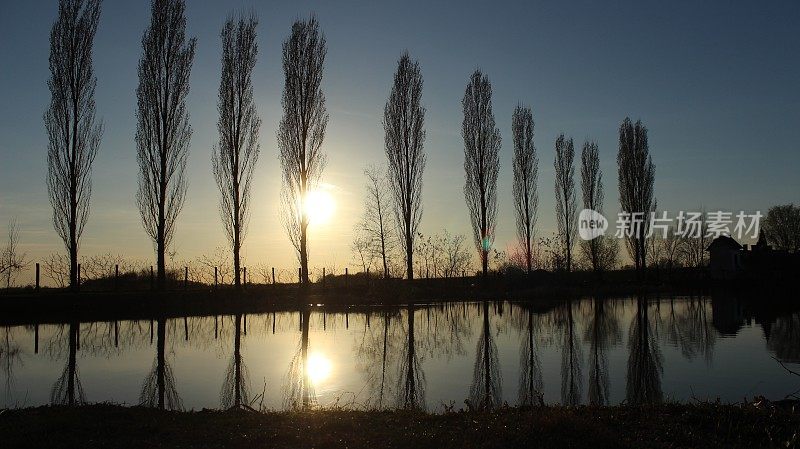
point(663, 426)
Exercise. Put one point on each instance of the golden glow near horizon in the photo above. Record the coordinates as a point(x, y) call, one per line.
point(318, 368)
point(319, 206)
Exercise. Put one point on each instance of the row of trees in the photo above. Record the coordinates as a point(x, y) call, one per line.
point(163, 132)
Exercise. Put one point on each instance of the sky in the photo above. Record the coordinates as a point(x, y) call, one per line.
point(714, 82)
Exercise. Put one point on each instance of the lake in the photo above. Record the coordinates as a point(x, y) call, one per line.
point(436, 357)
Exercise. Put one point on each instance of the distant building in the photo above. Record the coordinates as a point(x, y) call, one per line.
point(728, 259)
point(725, 257)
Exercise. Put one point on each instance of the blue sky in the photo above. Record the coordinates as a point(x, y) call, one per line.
point(714, 82)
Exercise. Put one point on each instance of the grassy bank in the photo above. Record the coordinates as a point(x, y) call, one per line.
point(663, 426)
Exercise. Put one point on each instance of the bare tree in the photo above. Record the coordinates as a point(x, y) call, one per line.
point(592, 189)
point(481, 162)
point(565, 197)
point(73, 134)
point(301, 130)
point(692, 246)
point(236, 154)
point(403, 124)
point(362, 248)
point(782, 227)
point(56, 268)
point(526, 172)
point(162, 128)
point(374, 223)
point(636, 179)
point(11, 261)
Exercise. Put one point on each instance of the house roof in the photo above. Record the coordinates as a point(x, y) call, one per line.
point(724, 242)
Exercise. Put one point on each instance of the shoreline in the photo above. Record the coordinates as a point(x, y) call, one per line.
point(541, 292)
point(656, 426)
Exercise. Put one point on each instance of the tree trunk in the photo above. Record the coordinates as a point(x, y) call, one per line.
point(409, 260)
point(160, 363)
point(304, 254)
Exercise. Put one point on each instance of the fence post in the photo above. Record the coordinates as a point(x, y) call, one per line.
point(367, 276)
point(273, 275)
point(215, 277)
point(346, 277)
point(152, 279)
point(185, 278)
point(116, 276)
point(323, 278)
point(244, 276)
point(37, 276)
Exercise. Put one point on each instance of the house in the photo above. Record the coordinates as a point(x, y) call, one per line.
point(728, 259)
point(725, 257)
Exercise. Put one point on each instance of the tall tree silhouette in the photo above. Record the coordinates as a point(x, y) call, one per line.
point(403, 125)
point(565, 197)
point(236, 154)
point(592, 189)
point(301, 130)
point(162, 128)
point(481, 162)
point(636, 178)
point(526, 172)
point(72, 131)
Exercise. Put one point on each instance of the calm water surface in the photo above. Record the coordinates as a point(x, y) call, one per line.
point(583, 351)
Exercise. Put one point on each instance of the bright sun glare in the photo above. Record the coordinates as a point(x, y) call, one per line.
point(319, 206)
point(318, 367)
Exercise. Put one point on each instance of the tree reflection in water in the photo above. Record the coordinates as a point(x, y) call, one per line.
point(234, 393)
point(411, 381)
point(486, 389)
point(68, 389)
point(159, 388)
point(531, 385)
point(643, 383)
point(298, 390)
point(571, 370)
point(602, 332)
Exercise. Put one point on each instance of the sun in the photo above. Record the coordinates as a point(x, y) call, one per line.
point(319, 206)
point(318, 368)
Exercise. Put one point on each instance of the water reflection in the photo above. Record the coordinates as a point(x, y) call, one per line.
point(600, 351)
point(486, 389)
point(602, 333)
point(10, 356)
point(298, 388)
point(411, 380)
point(643, 383)
point(571, 355)
point(783, 338)
point(234, 393)
point(158, 389)
point(68, 389)
point(531, 385)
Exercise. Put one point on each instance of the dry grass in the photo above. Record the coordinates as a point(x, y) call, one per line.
point(664, 426)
